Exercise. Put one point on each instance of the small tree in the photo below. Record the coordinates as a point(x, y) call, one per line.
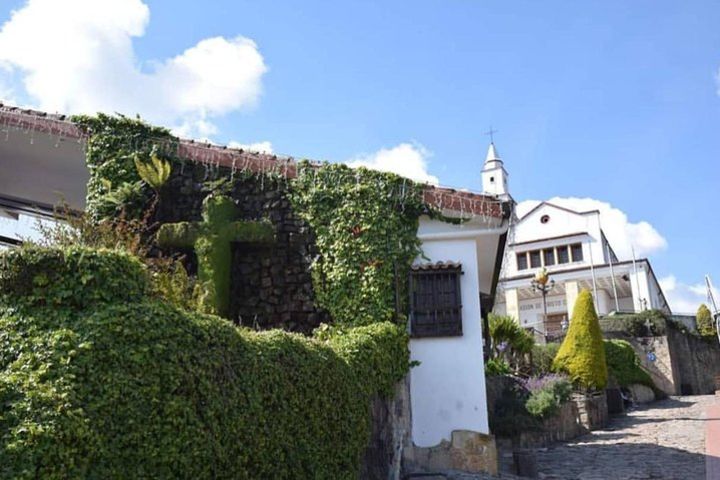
point(704, 320)
point(582, 353)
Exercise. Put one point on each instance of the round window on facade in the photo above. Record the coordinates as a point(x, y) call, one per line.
point(545, 219)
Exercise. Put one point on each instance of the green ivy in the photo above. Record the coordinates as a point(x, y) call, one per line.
point(366, 226)
point(109, 383)
point(114, 145)
point(73, 277)
point(624, 366)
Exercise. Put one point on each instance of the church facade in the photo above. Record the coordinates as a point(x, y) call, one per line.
point(573, 249)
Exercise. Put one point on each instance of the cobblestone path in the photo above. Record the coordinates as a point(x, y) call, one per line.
point(663, 440)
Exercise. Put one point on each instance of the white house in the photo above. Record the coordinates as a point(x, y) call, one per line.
point(453, 283)
point(577, 255)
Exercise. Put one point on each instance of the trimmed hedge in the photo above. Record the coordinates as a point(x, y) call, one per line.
point(129, 387)
point(635, 324)
point(542, 358)
point(624, 366)
point(74, 277)
point(704, 321)
point(582, 354)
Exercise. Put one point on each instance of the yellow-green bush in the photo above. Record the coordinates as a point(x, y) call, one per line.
point(704, 321)
point(582, 353)
point(99, 380)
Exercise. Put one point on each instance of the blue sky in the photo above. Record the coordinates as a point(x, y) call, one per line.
point(613, 101)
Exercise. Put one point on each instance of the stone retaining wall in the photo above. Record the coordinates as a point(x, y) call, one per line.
point(681, 364)
point(592, 410)
point(565, 425)
point(696, 361)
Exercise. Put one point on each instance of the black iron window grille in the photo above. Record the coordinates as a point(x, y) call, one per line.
point(435, 300)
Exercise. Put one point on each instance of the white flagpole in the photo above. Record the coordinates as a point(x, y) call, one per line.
point(612, 277)
point(592, 272)
point(637, 280)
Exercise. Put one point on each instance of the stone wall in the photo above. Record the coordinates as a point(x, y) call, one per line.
point(592, 410)
point(565, 425)
point(271, 284)
point(683, 363)
point(696, 360)
point(390, 433)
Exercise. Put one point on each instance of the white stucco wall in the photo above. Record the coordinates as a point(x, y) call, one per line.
point(447, 389)
point(532, 234)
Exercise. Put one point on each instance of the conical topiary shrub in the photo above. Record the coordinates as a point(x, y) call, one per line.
point(705, 321)
point(582, 353)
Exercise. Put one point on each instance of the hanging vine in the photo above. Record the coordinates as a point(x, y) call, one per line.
point(366, 227)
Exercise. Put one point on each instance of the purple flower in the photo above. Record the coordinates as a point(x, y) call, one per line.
point(534, 384)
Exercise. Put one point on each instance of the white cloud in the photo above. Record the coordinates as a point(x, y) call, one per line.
point(406, 159)
point(686, 298)
point(262, 147)
point(77, 56)
point(620, 231)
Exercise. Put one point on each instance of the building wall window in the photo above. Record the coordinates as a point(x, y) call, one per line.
point(522, 261)
point(550, 256)
point(535, 261)
point(577, 253)
point(562, 253)
point(435, 301)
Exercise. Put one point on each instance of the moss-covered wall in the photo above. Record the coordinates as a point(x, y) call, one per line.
point(271, 285)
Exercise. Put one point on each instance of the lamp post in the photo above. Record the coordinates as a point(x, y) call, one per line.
point(543, 284)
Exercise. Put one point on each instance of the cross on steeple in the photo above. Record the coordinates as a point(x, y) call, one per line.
point(212, 239)
point(491, 132)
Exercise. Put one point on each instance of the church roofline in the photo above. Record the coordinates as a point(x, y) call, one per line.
point(558, 207)
point(444, 198)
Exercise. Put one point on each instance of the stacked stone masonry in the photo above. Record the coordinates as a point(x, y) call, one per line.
point(271, 285)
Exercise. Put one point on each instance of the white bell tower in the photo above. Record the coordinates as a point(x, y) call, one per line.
point(494, 175)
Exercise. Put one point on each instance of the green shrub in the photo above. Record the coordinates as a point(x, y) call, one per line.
point(102, 382)
point(542, 404)
point(510, 342)
point(705, 324)
point(547, 394)
point(624, 366)
point(495, 367)
point(542, 358)
point(73, 277)
point(635, 325)
point(582, 354)
point(510, 416)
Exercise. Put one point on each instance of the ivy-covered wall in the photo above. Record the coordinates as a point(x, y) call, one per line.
point(271, 285)
point(343, 239)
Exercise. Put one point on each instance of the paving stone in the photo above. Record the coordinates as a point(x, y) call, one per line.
point(663, 440)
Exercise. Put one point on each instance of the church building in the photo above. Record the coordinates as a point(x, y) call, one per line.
point(572, 248)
